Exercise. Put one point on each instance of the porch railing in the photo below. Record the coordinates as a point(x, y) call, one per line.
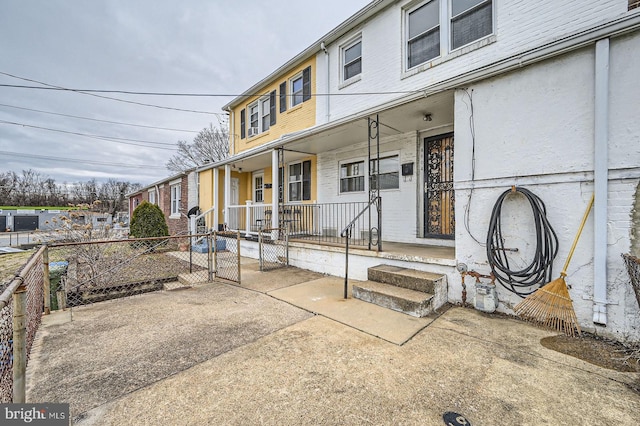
point(317, 222)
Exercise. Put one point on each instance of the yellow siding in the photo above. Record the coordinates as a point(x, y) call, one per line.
point(299, 117)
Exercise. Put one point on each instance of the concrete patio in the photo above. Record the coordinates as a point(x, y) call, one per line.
point(285, 348)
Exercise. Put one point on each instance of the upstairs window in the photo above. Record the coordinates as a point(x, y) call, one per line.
point(296, 90)
point(352, 177)
point(253, 117)
point(265, 110)
point(352, 60)
point(262, 115)
point(301, 87)
point(152, 196)
point(423, 41)
point(470, 21)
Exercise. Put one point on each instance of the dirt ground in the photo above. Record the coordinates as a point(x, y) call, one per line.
point(595, 350)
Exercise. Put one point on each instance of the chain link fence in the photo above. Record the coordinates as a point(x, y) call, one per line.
point(273, 248)
point(89, 272)
point(633, 267)
point(29, 280)
point(226, 247)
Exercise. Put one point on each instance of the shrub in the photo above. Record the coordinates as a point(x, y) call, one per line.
point(148, 221)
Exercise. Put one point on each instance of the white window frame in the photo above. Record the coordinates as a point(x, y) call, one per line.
point(385, 156)
point(443, 5)
point(152, 196)
point(300, 94)
point(362, 174)
point(255, 187)
point(343, 61)
point(265, 113)
point(451, 18)
point(176, 197)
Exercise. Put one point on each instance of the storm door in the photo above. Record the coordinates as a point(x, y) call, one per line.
point(439, 212)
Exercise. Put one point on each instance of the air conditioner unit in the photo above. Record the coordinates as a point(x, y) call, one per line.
point(253, 131)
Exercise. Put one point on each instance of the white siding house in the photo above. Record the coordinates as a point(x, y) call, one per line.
point(471, 98)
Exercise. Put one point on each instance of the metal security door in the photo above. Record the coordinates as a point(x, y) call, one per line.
point(439, 212)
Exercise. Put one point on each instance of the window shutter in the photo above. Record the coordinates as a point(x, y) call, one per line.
point(272, 108)
point(243, 124)
point(306, 84)
point(306, 180)
point(283, 97)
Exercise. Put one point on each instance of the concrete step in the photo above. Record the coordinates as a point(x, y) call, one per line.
point(411, 302)
point(411, 279)
point(187, 279)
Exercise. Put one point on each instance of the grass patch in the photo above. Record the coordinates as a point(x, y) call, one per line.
point(10, 263)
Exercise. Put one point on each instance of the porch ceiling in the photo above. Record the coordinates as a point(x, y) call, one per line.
point(408, 117)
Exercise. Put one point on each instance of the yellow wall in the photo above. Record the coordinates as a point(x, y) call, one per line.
point(299, 117)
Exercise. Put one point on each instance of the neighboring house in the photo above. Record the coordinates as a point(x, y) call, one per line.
point(175, 196)
point(438, 107)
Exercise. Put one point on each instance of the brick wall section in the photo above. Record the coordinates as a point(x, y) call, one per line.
point(177, 225)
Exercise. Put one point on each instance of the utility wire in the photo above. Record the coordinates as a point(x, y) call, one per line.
point(99, 137)
point(101, 121)
point(53, 87)
point(78, 160)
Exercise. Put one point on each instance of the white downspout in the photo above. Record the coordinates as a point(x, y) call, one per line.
point(232, 133)
point(328, 97)
point(601, 178)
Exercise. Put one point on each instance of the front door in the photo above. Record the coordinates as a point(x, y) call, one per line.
point(439, 212)
point(234, 214)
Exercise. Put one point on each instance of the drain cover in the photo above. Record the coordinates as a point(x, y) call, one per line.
point(454, 419)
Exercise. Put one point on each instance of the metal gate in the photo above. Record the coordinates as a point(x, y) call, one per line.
point(226, 255)
point(273, 248)
point(439, 212)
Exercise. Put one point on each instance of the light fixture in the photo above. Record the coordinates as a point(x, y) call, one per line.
point(427, 117)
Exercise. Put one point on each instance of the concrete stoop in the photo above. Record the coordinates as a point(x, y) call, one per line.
point(194, 278)
point(404, 290)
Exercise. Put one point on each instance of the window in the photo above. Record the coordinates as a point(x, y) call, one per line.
point(423, 41)
point(352, 60)
point(300, 181)
point(296, 90)
point(265, 111)
point(352, 177)
point(387, 173)
point(152, 196)
point(253, 115)
point(301, 87)
point(175, 200)
point(258, 188)
point(470, 20)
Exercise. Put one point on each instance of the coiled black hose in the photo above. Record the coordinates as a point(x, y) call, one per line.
point(539, 272)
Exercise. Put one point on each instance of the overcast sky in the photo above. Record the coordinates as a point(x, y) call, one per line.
point(190, 46)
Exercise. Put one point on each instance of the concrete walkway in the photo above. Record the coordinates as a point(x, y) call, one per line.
point(222, 354)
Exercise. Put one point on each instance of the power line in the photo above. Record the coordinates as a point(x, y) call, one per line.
point(101, 121)
point(78, 160)
point(99, 137)
point(53, 87)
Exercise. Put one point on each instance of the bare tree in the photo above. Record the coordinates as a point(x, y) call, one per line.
point(209, 146)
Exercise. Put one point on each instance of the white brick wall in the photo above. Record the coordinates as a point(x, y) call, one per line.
point(519, 25)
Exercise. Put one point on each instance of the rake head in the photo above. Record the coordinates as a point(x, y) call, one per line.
point(551, 307)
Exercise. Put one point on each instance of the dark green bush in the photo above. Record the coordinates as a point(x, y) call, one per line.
point(148, 221)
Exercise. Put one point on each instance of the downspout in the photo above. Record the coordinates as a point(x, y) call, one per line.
point(601, 170)
point(328, 97)
point(232, 134)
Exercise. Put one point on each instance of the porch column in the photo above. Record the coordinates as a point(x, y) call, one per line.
point(216, 194)
point(275, 220)
point(227, 191)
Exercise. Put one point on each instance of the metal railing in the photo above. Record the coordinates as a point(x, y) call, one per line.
point(374, 232)
point(21, 307)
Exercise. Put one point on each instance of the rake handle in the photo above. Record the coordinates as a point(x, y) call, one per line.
point(575, 240)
